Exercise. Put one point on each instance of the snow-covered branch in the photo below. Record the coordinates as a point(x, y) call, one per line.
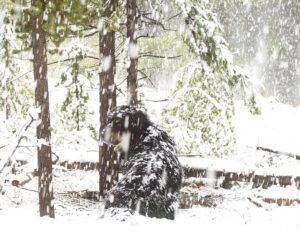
point(14, 145)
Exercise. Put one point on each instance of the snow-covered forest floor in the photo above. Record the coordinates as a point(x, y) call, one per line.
point(236, 212)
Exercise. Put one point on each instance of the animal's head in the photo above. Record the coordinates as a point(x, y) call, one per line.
point(125, 125)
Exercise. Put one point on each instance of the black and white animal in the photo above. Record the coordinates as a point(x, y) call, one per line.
point(152, 174)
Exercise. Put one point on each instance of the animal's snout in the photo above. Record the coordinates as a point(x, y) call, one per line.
point(106, 134)
point(110, 136)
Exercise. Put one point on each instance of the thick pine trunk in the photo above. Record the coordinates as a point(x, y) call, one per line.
point(42, 102)
point(108, 165)
point(131, 23)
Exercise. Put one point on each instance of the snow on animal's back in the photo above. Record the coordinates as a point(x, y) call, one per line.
point(157, 144)
point(156, 151)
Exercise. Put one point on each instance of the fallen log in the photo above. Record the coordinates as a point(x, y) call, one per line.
point(226, 177)
point(188, 200)
point(257, 180)
point(80, 165)
point(282, 201)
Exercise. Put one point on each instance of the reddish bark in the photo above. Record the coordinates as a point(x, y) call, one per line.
point(131, 23)
point(108, 166)
point(39, 46)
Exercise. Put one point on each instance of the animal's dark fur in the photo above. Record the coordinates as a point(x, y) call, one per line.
point(152, 173)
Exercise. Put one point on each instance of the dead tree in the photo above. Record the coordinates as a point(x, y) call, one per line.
point(132, 17)
point(108, 166)
point(39, 46)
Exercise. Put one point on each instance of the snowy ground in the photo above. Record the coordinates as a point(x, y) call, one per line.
point(232, 215)
point(238, 212)
point(277, 127)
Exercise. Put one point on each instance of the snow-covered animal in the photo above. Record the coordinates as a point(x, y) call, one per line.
point(152, 174)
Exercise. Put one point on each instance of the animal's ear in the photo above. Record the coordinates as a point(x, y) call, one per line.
point(142, 120)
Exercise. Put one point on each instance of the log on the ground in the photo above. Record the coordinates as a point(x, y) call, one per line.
point(257, 180)
point(190, 199)
point(85, 194)
point(80, 165)
point(186, 200)
point(226, 177)
point(282, 201)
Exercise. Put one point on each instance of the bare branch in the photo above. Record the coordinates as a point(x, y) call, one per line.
point(91, 34)
point(145, 36)
point(157, 56)
point(278, 152)
point(122, 82)
point(3, 146)
point(30, 71)
point(20, 76)
point(146, 77)
point(152, 21)
point(93, 57)
point(163, 100)
point(176, 15)
point(20, 136)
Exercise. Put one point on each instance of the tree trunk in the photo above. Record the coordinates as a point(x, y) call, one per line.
point(108, 165)
point(7, 108)
point(75, 81)
point(42, 102)
point(131, 23)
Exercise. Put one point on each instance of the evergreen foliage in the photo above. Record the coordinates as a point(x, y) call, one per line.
point(15, 95)
point(202, 105)
point(200, 111)
point(62, 20)
point(77, 81)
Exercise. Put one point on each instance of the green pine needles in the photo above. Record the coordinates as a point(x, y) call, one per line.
point(77, 81)
point(15, 95)
point(200, 112)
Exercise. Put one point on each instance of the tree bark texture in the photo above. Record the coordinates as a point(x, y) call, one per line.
point(39, 46)
point(132, 16)
point(108, 163)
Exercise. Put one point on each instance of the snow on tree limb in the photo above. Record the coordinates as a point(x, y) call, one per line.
point(17, 140)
